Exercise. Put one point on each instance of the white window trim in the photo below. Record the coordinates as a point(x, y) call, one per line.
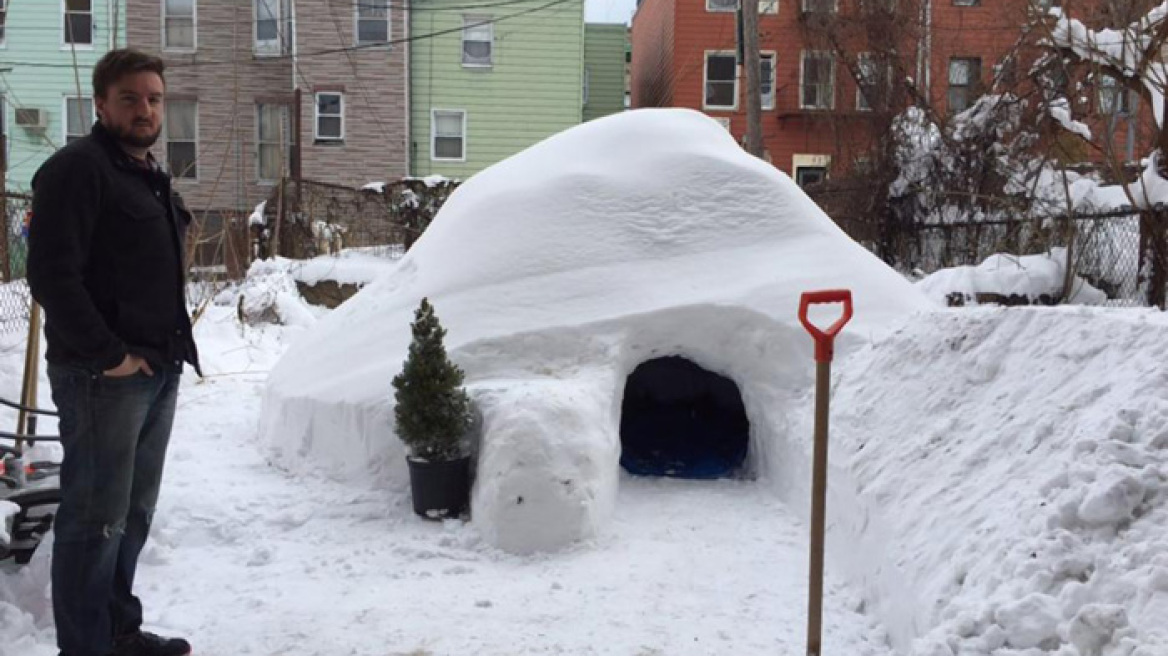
point(774, 79)
point(65, 45)
point(285, 140)
point(273, 47)
point(1120, 96)
point(802, 161)
point(718, 10)
point(194, 29)
point(476, 20)
point(434, 135)
point(4, 36)
point(316, 116)
point(65, 115)
point(706, 82)
point(357, 27)
point(802, 82)
point(166, 143)
point(805, 10)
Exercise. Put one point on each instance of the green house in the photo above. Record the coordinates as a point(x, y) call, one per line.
point(605, 46)
point(491, 81)
point(47, 52)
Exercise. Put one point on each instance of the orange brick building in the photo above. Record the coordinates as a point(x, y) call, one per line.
point(816, 119)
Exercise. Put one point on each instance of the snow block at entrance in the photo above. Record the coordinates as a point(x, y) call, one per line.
point(556, 272)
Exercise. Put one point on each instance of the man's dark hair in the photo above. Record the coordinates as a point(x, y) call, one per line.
point(117, 64)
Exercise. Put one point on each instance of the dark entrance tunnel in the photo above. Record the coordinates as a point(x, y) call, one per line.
point(680, 420)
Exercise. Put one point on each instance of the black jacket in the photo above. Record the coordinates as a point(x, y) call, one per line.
point(105, 259)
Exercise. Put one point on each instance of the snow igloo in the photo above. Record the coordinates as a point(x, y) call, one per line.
point(622, 293)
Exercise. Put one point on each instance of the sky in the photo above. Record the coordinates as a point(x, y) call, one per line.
point(609, 11)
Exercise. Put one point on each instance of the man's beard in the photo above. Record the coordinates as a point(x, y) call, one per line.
point(128, 137)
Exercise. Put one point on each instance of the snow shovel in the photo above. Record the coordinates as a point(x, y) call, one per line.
point(824, 348)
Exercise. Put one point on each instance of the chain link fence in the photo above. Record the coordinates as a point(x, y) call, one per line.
point(14, 298)
point(1123, 253)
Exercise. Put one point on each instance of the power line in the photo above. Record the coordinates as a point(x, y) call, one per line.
point(320, 53)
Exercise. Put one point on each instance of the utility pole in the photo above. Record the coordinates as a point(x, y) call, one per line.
point(750, 61)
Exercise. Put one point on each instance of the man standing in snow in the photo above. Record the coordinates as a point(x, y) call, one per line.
point(106, 244)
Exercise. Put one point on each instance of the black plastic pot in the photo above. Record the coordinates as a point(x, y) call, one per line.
point(440, 489)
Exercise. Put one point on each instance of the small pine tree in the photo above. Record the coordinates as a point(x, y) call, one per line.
point(433, 410)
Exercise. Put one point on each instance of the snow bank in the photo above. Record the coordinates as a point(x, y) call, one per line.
point(1001, 481)
point(556, 272)
point(8, 511)
point(1035, 277)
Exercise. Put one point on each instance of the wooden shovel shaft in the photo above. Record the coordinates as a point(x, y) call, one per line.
point(818, 507)
point(28, 388)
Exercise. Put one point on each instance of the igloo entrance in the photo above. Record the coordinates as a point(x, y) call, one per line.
point(680, 420)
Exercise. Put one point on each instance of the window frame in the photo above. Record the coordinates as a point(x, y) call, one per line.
point(804, 55)
point(280, 45)
point(357, 7)
point(287, 139)
point(477, 21)
point(887, 81)
point(66, 44)
point(967, 89)
point(706, 80)
point(3, 23)
point(434, 135)
point(316, 116)
point(1121, 96)
point(806, 7)
point(168, 141)
point(765, 7)
point(774, 57)
point(163, 17)
point(65, 117)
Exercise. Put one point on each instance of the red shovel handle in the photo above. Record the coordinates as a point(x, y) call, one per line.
point(825, 339)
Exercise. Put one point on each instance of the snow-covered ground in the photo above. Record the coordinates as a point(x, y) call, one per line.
point(998, 488)
point(247, 559)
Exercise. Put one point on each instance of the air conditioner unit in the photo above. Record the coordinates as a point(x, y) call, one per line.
point(32, 118)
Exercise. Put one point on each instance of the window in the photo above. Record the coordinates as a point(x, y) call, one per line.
point(372, 21)
point(274, 141)
point(806, 176)
point(818, 88)
point(478, 37)
point(877, 7)
point(273, 27)
point(767, 79)
point(448, 135)
point(721, 81)
point(182, 138)
point(1113, 96)
point(330, 116)
point(818, 6)
point(178, 24)
point(79, 118)
point(966, 3)
point(764, 6)
point(964, 82)
point(3, 19)
point(79, 22)
point(874, 83)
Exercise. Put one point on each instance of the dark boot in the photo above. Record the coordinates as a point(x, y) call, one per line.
point(148, 644)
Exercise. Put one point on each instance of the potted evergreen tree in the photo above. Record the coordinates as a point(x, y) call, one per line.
point(433, 414)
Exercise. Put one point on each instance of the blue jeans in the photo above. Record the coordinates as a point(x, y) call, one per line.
point(114, 432)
